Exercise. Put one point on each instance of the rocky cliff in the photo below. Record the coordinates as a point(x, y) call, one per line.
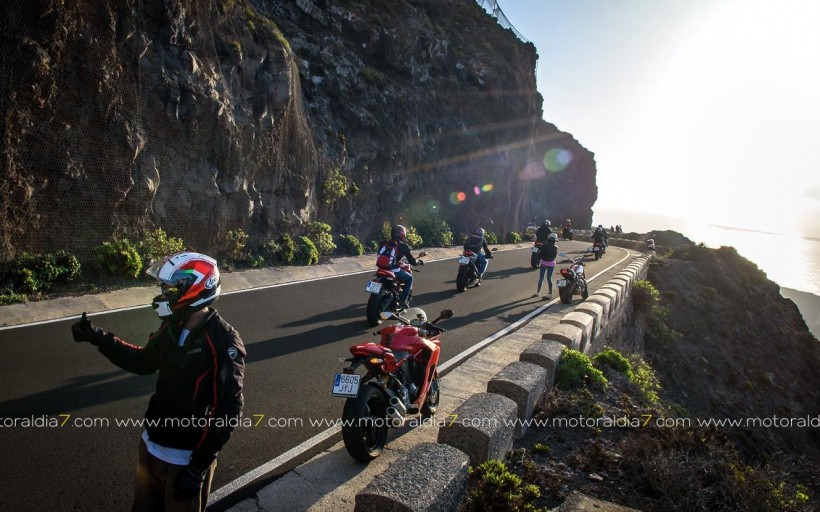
point(202, 116)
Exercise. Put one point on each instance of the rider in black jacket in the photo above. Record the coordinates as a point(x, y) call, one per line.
point(198, 399)
point(543, 232)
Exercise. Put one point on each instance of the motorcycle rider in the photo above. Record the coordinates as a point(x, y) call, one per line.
point(600, 236)
point(566, 228)
point(543, 231)
point(476, 242)
point(200, 360)
point(398, 235)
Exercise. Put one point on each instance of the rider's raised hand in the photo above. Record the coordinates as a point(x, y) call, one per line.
point(84, 330)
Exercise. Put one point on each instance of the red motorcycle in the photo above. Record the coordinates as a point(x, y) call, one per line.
point(385, 290)
point(401, 377)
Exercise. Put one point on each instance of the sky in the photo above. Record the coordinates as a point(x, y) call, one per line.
point(698, 111)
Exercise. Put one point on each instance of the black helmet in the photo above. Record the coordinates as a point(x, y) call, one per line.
point(399, 232)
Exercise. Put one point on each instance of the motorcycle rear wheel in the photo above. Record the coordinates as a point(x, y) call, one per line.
point(461, 279)
point(597, 255)
point(534, 260)
point(565, 294)
point(433, 396)
point(364, 430)
point(377, 303)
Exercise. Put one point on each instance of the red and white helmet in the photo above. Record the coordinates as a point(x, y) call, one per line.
point(189, 281)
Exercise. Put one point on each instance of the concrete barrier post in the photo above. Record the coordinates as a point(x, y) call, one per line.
point(547, 355)
point(481, 427)
point(524, 384)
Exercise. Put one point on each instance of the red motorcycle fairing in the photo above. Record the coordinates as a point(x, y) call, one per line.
point(386, 273)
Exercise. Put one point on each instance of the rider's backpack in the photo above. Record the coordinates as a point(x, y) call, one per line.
point(388, 255)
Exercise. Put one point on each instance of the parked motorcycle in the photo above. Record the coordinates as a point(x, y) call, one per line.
point(535, 257)
point(385, 290)
point(468, 274)
point(401, 377)
point(572, 281)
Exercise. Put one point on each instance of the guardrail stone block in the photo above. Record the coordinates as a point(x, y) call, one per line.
point(585, 323)
point(606, 304)
point(568, 335)
point(596, 311)
point(613, 296)
point(481, 427)
point(547, 355)
point(432, 477)
point(523, 383)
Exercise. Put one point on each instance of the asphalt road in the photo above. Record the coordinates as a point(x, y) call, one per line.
point(67, 452)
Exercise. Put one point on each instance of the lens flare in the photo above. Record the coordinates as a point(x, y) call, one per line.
point(557, 159)
point(457, 197)
point(487, 188)
point(477, 191)
point(433, 206)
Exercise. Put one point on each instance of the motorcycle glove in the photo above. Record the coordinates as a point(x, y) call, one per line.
point(188, 483)
point(84, 330)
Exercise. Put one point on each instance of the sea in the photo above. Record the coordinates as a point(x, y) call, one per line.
point(792, 260)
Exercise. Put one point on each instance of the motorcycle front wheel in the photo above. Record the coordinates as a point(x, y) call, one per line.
point(377, 303)
point(566, 294)
point(364, 427)
point(431, 402)
point(585, 293)
point(461, 279)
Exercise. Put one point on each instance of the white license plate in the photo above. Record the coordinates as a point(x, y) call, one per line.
point(561, 283)
point(463, 260)
point(346, 385)
point(373, 287)
point(534, 250)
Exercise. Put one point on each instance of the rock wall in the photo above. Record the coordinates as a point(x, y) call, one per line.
point(202, 116)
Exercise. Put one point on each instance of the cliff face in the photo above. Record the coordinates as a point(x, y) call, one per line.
point(200, 117)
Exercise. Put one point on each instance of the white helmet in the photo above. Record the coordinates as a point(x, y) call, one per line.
point(417, 316)
point(553, 237)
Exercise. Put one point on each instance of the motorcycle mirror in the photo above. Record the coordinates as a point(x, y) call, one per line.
point(446, 313)
point(385, 315)
point(494, 249)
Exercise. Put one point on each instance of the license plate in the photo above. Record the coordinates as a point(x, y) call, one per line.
point(373, 287)
point(346, 385)
point(561, 283)
point(534, 250)
point(463, 260)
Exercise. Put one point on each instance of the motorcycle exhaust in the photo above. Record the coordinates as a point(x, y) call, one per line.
point(397, 410)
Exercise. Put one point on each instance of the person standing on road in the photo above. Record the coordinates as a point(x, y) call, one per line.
point(198, 399)
point(547, 254)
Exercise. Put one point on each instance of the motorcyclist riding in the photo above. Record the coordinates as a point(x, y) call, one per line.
point(600, 236)
point(476, 242)
point(398, 235)
point(543, 232)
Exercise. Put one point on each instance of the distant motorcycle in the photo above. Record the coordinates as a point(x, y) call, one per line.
point(567, 233)
point(598, 250)
point(385, 290)
point(468, 274)
point(535, 257)
point(572, 281)
point(401, 378)
point(650, 244)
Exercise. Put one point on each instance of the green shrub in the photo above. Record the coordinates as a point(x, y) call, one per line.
point(157, 244)
point(615, 360)
point(319, 234)
point(491, 237)
point(306, 252)
point(384, 234)
point(461, 239)
point(413, 238)
point(235, 249)
point(118, 258)
point(349, 244)
point(9, 297)
point(285, 251)
point(335, 186)
point(707, 292)
point(644, 378)
point(435, 231)
point(372, 77)
point(575, 369)
point(494, 487)
point(512, 238)
point(645, 297)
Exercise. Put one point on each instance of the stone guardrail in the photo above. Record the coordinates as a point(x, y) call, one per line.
point(487, 421)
